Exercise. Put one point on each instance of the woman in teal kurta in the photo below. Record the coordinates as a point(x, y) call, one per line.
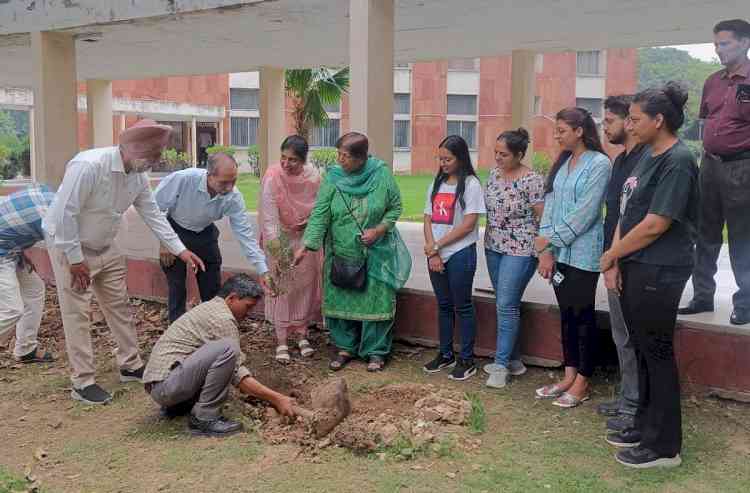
point(361, 322)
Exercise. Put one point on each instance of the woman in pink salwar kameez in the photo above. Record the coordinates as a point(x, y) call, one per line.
point(288, 193)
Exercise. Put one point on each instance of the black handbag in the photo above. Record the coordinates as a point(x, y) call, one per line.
point(349, 273)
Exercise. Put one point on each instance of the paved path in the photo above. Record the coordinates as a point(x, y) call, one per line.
point(137, 241)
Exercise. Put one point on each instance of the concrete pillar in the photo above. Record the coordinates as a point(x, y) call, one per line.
point(220, 132)
point(123, 121)
point(32, 146)
point(371, 65)
point(194, 142)
point(55, 104)
point(522, 90)
point(99, 108)
point(272, 129)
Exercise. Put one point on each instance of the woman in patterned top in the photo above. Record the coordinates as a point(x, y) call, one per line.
point(570, 242)
point(515, 200)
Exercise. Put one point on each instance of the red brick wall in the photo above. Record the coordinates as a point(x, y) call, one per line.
point(494, 105)
point(429, 107)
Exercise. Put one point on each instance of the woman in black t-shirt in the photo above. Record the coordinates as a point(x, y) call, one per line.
point(650, 261)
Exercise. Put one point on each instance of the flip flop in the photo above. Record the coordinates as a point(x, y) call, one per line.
point(567, 400)
point(33, 357)
point(551, 391)
point(282, 354)
point(340, 362)
point(305, 349)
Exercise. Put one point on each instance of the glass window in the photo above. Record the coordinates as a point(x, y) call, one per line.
point(589, 62)
point(464, 64)
point(243, 99)
point(177, 137)
point(402, 104)
point(594, 105)
point(327, 135)
point(465, 129)
point(401, 133)
point(461, 104)
point(244, 131)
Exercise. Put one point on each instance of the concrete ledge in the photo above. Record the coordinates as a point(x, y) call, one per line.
point(714, 360)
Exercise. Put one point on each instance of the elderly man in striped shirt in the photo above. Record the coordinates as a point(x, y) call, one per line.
point(21, 289)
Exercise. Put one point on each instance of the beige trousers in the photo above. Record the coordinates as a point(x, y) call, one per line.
point(108, 284)
point(21, 305)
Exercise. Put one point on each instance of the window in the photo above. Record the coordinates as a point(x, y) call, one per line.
point(594, 105)
point(589, 62)
point(327, 135)
point(177, 137)
point(401, 133)
point(402, 104)
point(244, 131)
point(243, 99)
point(465, 129)
point(460, 104)
point(537, 105)
point(464, 64)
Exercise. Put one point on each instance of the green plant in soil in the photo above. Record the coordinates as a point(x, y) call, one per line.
point(478, 415)
point(283, 261)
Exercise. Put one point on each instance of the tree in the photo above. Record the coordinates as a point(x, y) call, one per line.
point(657, 66)
point(312, 90)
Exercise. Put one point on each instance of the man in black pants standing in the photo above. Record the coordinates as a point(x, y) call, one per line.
point(193, 200)
point(725, 173)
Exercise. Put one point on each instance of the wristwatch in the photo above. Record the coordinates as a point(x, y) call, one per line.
point(435, 249)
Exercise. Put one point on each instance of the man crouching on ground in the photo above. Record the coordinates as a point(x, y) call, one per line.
point(195, 360)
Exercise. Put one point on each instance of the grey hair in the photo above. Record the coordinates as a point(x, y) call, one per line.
point(215, 159)
point(242, 285)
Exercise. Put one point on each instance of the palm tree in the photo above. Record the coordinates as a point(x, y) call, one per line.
point(312, 89)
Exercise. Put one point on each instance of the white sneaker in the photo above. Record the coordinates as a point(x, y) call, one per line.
point(516, 367)
point(491, 368)
point(498, 379)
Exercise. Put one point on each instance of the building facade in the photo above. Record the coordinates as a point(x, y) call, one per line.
point(468, 97)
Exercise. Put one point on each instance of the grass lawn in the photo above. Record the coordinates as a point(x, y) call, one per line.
point(413, 190)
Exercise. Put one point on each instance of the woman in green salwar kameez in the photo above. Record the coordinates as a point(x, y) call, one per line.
point(360, 322)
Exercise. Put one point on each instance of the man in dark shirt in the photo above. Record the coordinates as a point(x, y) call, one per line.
point(616, 128)
point(725, 173)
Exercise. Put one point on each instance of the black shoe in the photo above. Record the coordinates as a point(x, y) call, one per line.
point(740, 316)
point(465, 368)
point(626, 439)
point(219, 427)
point(611, 408)
point(620, 422)
point(92, 395)
point(132, 375)
point(440, 363)
point(643, 458)
point(696, 306)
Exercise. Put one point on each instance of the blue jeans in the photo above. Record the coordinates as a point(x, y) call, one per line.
point(509, 275)
point(453, 289)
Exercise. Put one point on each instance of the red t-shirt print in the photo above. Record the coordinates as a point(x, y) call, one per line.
point(443, 208)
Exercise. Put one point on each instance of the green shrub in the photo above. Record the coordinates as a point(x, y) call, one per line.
point(323, 157)
point(173, 159)
point(541, 163)
point(216, 148)
point(696, 147)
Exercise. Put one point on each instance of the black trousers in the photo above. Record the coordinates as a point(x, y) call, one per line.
point(206, 246)
point(725, 199)
point(651, 295)
point(575, 297)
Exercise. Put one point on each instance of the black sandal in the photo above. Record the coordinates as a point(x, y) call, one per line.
point(340, 362)
point(376, 363)
point(33, 357)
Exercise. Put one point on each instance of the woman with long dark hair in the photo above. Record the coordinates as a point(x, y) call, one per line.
point(451, 231)
point(649, 263)
point(570, 242)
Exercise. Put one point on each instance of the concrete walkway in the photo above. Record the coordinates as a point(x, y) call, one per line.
point(136, 240)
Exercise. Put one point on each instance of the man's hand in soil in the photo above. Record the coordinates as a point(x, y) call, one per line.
point(282, 403)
